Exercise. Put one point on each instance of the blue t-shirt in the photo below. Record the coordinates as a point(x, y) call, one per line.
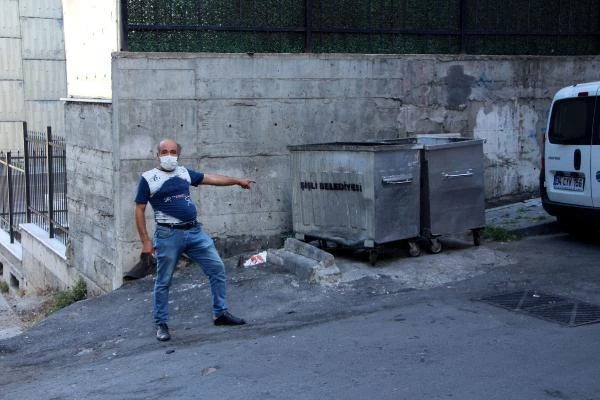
point(169, 194)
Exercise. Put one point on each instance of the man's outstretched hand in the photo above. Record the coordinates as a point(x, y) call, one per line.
point(245, 183)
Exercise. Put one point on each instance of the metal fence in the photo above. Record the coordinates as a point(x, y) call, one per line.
point(12, 193)
point(543, 27)
point(33, 186)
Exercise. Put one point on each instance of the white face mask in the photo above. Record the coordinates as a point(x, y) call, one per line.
point(168, 163)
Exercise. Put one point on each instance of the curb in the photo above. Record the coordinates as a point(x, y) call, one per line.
point(525, 218)
point(547, 228)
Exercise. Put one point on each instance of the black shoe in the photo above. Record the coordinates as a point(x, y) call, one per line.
point(227, 319)
point(162, 332)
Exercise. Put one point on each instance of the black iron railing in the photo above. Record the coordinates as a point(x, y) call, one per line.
point(12, 193)
point(33, 186)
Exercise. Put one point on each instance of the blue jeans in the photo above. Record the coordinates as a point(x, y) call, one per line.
point(169, 244)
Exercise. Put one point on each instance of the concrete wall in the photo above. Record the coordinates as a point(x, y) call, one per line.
point(43, 260)
point(91, 194)
point(236, 114)
point(36, 262)
point(32, 68)
point(11, 256)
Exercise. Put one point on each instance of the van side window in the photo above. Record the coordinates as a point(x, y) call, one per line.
point(572, 121)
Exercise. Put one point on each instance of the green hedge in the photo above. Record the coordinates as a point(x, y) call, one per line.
point(545, 27)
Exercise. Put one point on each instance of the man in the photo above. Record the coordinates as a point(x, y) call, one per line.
point(167, 188)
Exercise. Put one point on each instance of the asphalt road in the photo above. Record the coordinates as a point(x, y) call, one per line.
point(373, 337)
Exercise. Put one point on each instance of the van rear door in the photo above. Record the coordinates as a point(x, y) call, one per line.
point(568, 149)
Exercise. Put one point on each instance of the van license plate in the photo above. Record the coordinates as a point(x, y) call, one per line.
point(573, 183)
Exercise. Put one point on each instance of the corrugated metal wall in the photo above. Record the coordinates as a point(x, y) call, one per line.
point(11, 74)
point(10, 68)
point(41, 9)
point(42, 38)
point(32, 68)
point(9, 19)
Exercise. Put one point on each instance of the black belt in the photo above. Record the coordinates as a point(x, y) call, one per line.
point(186, 225)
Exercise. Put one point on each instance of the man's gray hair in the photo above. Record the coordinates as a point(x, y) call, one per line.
point(158, 147)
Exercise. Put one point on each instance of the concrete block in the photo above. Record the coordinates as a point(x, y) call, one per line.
point(305, 268)
point(321, 272)
point(307, 250)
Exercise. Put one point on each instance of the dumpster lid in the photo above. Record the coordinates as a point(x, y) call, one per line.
point(439, 143)
point(374, 145)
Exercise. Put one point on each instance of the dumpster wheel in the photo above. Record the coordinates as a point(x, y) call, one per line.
point(434, 245)
point(477, 236)
point(413, 249)
point(373, 254)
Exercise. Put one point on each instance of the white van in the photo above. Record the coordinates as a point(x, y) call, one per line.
point(570, 173)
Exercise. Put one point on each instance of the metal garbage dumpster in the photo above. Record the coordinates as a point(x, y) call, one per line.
point(357, 194)
point(452, 195)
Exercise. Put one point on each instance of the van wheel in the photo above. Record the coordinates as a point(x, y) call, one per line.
point(565, 224)
point(576, 228)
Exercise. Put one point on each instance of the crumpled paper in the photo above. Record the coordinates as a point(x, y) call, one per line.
point(256, 259)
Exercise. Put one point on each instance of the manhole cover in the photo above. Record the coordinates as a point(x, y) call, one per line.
point(563, 310)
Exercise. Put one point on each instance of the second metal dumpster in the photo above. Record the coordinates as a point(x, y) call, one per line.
point(452, 196)
point(358, 194)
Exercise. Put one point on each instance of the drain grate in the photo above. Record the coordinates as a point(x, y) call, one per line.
point(563, 310)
